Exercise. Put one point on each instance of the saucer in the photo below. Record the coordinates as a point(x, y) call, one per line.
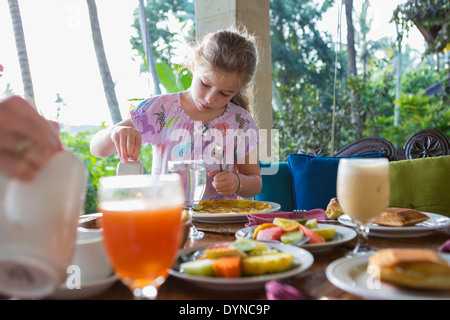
point(88, 289)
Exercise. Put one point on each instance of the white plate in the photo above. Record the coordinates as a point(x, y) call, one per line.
point(425, 228)
point(303, 260)
point(343, 234)
point(349, 274)
point(86, 290)
point(232, 217)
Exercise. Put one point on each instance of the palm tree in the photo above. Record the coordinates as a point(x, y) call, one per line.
point(21, 50)
point(356, 120)
point(148, 48)
point(108, 84)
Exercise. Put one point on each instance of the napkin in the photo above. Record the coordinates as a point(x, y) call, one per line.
point(259, 218)
point(279, 291)
point(445, 247)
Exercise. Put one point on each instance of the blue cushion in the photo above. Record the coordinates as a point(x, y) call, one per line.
point(314, 179)
point(276, 184)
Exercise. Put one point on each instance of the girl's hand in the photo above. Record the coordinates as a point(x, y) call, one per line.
point(225, 182)
point(127, 141)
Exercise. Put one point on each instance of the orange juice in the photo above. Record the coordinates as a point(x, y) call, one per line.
point(142, 245)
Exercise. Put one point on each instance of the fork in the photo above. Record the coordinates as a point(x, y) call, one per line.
point(298, 214)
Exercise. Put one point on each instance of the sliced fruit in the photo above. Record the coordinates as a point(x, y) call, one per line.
point(262, 227)
point(327, 233)
point(290, 237)
point(201, 267)
point(286, 224)
point(273, 233)
point(313, 237)
point(243, 245)
point(228, 267)
point(260, 248)
point(221, 251)
point(269, 263)
point(311, 224)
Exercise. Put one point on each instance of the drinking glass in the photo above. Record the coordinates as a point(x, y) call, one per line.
point(142, 226)
point(193, 178)
point(363, 192)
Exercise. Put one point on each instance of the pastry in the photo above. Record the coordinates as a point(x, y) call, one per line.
point(412, 268)
point(334, 210)
point(400, 217)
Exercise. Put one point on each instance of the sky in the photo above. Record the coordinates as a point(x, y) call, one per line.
point(62, 57)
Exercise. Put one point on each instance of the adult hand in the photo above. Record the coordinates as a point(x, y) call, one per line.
point(127, 141)
point(27, 140)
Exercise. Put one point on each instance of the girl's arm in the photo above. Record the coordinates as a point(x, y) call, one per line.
point(121, 138)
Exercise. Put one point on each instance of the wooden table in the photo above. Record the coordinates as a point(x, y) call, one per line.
point(312, 282)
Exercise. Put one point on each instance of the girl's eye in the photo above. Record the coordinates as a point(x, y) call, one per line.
point(225, 95)
point(204, 84)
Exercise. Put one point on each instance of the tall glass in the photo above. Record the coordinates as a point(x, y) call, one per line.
point(193, 178)
point(363, 192)
point(142, 227)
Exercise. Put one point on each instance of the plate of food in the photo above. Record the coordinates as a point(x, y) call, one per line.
point(320, 237)
point(240, 264)
point(230, 211)
point(394, 274)
point(403, 223)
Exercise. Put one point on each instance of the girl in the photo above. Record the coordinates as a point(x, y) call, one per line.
point(213, 115)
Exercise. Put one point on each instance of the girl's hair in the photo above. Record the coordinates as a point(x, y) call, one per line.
point(229, 51)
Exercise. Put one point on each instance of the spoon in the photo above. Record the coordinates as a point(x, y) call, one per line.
point(218, 154)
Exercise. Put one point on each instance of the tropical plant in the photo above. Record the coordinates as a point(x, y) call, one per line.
point(108, 84)
point(430, 17)
point(21, 49)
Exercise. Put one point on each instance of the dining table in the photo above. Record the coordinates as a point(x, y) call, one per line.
point(312, 282)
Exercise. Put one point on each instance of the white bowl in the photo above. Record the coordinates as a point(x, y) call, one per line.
point(89, 256)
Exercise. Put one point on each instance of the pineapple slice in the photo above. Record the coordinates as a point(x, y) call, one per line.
point(267, 263)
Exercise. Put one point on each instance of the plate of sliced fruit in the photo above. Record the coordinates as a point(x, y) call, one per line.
point(322, 237)
point(243, 264)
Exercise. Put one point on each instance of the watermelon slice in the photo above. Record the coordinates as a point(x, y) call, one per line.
point(273, 233)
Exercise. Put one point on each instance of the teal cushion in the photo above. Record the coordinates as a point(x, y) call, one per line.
point(314, 179)
point(421, 184)
point(276, 184)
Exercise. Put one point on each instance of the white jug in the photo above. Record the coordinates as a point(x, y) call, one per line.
point(38, 226)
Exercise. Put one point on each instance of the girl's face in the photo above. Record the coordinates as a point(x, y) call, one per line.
point(212, 92)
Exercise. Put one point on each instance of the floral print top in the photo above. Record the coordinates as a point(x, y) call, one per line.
point(175, 136)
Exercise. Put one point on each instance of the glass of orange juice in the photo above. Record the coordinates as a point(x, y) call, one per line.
point(363, 191)
point(142, 226)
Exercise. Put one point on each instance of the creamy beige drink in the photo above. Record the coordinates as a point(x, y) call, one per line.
point(363, 188)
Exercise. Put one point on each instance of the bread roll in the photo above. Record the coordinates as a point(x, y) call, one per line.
point(400, 217)
point(334, 210)
point(412, 268)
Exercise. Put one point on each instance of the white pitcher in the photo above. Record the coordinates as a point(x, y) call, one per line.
point(38, 226)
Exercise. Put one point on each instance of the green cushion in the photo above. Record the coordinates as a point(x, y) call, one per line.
point(421, 184)
point(276, 184)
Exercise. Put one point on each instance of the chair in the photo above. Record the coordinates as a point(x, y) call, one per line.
point(426, 144)
point(369, 145)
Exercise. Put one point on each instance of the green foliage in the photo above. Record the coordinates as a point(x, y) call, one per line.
point(158, 11)
point(417, 110)
point(430, 16)
point(173, 80)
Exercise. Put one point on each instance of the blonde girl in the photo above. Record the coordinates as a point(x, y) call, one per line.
point(213, 114)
